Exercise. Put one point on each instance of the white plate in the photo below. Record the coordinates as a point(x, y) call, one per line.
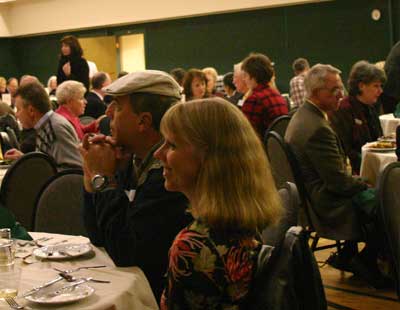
point(68, 250)
point(381, 149)
point(78, 293)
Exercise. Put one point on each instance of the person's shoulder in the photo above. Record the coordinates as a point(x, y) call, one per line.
point(346, 104)
point(196, 231)
point(60, 123)
point(92, 96)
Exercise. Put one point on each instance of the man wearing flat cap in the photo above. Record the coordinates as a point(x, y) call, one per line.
point(127, 209)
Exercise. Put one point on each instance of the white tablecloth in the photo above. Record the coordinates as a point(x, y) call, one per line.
point(373, 163)
point(389, 123)
point(3, 170)
point(129, 288)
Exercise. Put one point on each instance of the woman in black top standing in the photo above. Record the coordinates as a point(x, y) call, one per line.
point(72, 66)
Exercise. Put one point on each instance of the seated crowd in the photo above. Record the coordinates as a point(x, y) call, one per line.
point(182, 187)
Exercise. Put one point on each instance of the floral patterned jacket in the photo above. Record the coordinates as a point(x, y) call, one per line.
point(208, 270)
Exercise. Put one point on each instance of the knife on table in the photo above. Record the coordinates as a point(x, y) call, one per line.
point(38, 288)
point(72, 285)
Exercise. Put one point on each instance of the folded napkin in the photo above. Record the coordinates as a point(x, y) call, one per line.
point(44, 239)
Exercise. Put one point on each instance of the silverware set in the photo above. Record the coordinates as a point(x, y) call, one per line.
point(65, 275)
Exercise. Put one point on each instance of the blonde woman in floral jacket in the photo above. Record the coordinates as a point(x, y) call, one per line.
point(212, 155)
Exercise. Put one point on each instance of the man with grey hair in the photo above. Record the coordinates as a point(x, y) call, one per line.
point(54, 134)
point(342, 205)
point(241, 88)
point(127, 210)
point(96, 106)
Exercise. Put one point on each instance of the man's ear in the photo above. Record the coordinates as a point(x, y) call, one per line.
point(31, 110)
point(145, 120)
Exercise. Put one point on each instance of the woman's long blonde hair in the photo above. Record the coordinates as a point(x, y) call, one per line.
point(235, 188)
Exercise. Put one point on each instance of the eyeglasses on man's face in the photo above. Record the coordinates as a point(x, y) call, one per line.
point(334, 91)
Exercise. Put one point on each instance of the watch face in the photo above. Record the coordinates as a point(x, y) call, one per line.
point(98, 182)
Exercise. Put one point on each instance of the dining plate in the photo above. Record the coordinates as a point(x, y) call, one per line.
point(62, 251)
point(77, 293)
point(381, 149)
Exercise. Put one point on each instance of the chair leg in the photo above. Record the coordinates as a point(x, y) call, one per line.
point(338, 246)
point(314, 243)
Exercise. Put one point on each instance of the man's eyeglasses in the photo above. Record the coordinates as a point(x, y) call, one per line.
point(336, 91)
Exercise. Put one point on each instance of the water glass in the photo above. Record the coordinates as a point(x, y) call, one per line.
point(5, 233)
point(7, 252)
point(9, 281)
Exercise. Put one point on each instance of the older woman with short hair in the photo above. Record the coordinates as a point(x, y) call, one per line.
point(357, 121)
point(213, 156)
point(72, 103)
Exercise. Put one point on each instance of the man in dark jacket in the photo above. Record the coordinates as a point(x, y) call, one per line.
point(127, 209)
point(391, 92)
point(96, 106)
point(343, 207)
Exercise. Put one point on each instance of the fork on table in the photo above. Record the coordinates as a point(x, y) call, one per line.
point(13, 304)
point(79, 268)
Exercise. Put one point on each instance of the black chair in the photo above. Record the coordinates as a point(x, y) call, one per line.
point(22, 182)
point(287, 277)
point(272, 235)
point(279, 125)
point(12, 138)
point(278, 157)
point(389, 195)
point(86, 120)
point(59, 203)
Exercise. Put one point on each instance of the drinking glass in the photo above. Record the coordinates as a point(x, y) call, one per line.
point(7, 251)
point(9, 281)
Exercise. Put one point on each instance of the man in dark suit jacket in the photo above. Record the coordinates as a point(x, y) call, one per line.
point(391, 91)
point(340, 202)
point(95, 104)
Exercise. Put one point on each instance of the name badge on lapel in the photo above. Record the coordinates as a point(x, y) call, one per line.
point(358, 121)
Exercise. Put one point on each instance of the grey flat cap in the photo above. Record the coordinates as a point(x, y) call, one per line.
point(148, 81)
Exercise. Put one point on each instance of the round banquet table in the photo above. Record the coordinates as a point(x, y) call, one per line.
point(389, 123)
point(373, 163)
point(129, 288)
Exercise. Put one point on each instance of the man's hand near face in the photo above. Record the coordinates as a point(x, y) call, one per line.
point(99, 157)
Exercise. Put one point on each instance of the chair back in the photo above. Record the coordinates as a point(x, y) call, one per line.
point(22, 182)
point(389, 195)
point(86, 120)
point(289, 195)
point(288, 278)
point(279, 125)
point(59, 204)
point(279, 161)
point(12, 138)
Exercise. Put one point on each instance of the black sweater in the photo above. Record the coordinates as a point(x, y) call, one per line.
point(79, 70)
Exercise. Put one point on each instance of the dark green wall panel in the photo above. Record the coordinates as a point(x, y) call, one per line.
point(338, 32)
point(8, 59)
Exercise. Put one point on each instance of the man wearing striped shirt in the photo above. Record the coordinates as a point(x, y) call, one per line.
point(297, 92)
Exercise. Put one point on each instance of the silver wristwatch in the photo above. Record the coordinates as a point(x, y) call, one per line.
point(101, 182)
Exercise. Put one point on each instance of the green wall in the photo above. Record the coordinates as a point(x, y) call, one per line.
point(8, 59)
point(338, 32)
